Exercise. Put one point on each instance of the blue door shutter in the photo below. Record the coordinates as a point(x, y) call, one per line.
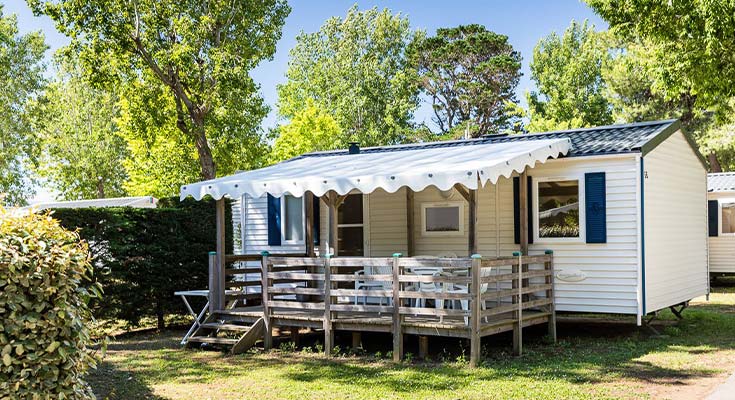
point(316, 224)
point(274, 221)
point(712, 210)
point(595, 207)
point(517, 211)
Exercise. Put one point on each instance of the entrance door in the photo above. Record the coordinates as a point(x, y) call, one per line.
point(351, 227)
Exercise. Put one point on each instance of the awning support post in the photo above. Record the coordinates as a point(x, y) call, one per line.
point(309, 223)
point(523, 210)
point(410, 222)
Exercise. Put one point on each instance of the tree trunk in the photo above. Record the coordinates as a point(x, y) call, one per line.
point(100, 188)
point(160, 314)
point(714, 165)
point(205, 153)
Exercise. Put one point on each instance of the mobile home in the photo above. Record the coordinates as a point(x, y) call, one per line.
point(721, 206)
point(622, 207)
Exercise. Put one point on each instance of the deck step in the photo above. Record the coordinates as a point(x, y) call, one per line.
point(226, 327)
point(213, 340)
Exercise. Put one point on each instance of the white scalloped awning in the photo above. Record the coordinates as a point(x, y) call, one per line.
point(391, 169)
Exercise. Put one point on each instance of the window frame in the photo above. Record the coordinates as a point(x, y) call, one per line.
point(535, 204)
point(727, 200)
point(443, 204)
point(365, 226)
point(284, 222)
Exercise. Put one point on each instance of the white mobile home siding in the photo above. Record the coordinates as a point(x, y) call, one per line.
point(610, 269)
point(675, 224)
point(721, 247)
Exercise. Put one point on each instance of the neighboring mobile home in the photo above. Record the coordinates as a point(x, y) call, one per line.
point(721, 205)
point(623, 207)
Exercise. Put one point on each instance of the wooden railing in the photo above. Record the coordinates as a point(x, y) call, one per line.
point(326, 287)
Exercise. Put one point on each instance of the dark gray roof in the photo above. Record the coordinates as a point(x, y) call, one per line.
point(721, 182)
point(638, 137)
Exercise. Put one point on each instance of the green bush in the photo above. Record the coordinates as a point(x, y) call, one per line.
point(44, 315)
point(144, 255)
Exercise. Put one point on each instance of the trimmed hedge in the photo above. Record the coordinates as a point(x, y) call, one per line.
point(146, 254)
point(44, 315)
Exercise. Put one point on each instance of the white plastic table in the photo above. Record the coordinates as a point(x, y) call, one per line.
point(198, 318)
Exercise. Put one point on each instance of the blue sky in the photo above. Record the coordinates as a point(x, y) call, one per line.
point(523, 21)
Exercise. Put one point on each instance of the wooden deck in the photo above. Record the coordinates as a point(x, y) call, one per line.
point(488, 296)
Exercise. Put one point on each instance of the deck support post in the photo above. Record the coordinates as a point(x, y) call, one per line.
point(264, 283)
point(219, 298)
point(309, 223)
point(475, 299)
point(328, 332)
point(410, 232)
point(214, 274)
point(356, 340)
point(423, 347)
point(397, 318)
point(518, 300)
point(295, 337)
point(549, 265)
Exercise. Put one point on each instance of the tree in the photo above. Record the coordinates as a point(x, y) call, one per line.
point(693, 42)
point(201, 51)
point(21, 79)
point(309, 130)
point(357, 70)
point(471, 75)
point(635, 94)
point(159, 159)
point(567, 71)
point(82, 151)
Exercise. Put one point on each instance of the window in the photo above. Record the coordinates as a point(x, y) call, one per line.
point(558, 209)
point(292, 215)
point(350, 226)
point(728, 217)
point(442, 219)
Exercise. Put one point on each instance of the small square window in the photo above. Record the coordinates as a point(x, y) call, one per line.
point(728, 218)
point(442, 219)
point(558, 209)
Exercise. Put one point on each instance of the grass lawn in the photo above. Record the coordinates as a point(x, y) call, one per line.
point(590, 361)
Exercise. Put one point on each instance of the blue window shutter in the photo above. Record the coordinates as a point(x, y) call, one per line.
point(595, 207)
point(713, 209)
point(517, 212)
point(274, 221)
point(316, 221)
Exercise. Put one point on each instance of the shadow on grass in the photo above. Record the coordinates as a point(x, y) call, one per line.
point(109, 383)
point(586, 353)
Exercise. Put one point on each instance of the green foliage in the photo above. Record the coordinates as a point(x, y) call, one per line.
point(82, 152)
point(159, 159)
point(21, 79)
point(687, 65)
point(144, 255)
point(357, 70)
point(310, 129)
point(200, 52)
point(693, 43)
point(471, 75)
point(44, 314)
point(567, 70)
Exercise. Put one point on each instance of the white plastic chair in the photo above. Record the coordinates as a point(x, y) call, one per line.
point(458, 288)
point(367, 285)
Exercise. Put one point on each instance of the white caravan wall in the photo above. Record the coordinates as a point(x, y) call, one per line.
point(722, 247)
point(675, 206)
